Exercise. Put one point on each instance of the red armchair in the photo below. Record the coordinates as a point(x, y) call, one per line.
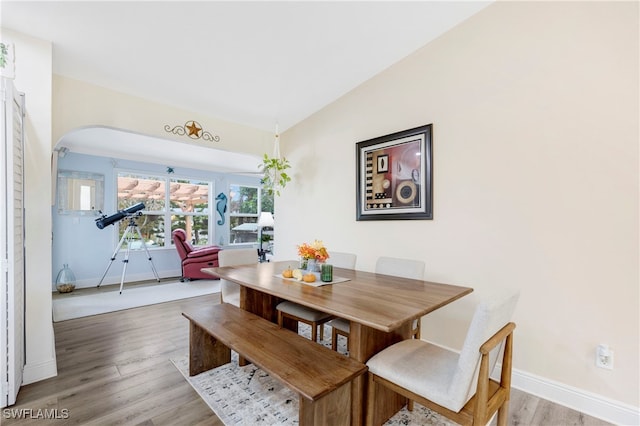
point(194, 259)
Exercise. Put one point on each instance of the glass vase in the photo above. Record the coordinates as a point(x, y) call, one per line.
point(66, 280)
point(313, 265)
point(303, 264)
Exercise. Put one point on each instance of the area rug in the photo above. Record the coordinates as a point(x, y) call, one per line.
point(249, 396)
point(76, 305)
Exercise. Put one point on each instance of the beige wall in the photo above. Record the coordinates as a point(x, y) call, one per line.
point(79, 104)
point(535, 118)
point(33, 59)
point(535, 114)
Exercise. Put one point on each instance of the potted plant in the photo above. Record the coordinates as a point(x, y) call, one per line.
point(275, 177)
point(265, 240)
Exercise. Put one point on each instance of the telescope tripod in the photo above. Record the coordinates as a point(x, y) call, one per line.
point(129, 233)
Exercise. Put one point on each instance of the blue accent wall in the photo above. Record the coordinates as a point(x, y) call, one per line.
point(78, 242)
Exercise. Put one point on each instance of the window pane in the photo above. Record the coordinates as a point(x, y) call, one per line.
point(267, 202)
point(151, 228)
point(243, 229)
point(189, 196)
point(133, 189)
point(243, 200)
point(196, 227)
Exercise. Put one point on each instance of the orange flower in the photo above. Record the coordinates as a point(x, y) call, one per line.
point(316, 251)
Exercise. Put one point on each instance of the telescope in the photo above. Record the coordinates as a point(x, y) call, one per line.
point(105, 220)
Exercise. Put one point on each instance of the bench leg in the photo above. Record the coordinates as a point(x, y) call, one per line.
point(332, 409)
point(205, 352)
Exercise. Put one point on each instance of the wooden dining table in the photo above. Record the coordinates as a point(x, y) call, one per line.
point(380, 308)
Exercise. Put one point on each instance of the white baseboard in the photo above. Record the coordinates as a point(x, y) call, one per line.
point(577, 399)
point(35, 372)
point(147, 276)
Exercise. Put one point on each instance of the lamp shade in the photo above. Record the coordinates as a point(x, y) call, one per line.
point(265, 219)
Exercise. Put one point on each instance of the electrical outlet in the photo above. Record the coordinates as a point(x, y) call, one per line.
point(604, 357)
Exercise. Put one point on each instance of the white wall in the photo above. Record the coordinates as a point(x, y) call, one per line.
point(535, 121)
point(33, 60)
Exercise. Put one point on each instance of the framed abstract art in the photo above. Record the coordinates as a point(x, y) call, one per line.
point(394, 176)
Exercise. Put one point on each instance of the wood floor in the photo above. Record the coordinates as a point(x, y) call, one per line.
point(114, 369)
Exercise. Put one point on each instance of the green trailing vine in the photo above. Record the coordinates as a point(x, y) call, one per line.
point(275, 177)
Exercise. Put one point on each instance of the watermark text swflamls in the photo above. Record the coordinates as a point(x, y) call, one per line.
point(37, 414)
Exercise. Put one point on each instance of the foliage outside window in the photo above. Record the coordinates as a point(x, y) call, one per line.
point(4, 53)
point(245, 205)
point(170, 203)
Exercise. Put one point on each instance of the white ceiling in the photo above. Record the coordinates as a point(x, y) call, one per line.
point(253, 63)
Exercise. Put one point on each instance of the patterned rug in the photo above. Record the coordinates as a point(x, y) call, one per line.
point(249, 396)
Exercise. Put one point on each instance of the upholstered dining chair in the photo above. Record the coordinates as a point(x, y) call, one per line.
point(343, 260)
point(405, 268)
point(455, 385)
point(312, 317)
point(230, 291)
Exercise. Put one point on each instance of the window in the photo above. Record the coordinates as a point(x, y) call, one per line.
point(170, 203)
point(245, 205)
point(190, 209)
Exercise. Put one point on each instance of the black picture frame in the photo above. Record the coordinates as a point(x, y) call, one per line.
point(394, 176)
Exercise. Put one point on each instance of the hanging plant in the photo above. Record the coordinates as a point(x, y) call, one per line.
point(275, 177)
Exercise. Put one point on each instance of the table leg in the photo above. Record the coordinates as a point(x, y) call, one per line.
point(364, 342)
point(259, 303)
point(263, 305)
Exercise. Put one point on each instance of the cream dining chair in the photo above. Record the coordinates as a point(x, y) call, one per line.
point(456, 386)
point(343, 260)
point(405, 268)
point(312, 317)
point(230, 291)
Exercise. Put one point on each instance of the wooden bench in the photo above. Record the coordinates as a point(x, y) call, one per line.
point(321, 377)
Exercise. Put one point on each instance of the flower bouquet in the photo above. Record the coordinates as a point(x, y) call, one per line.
point(311, 254)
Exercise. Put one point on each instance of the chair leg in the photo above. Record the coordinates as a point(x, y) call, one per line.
point(334, 339)
point(371, 400)
point(314, 331)
point(346, 336)
point(321, 332)
point(503, 414)
point(280, 319)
